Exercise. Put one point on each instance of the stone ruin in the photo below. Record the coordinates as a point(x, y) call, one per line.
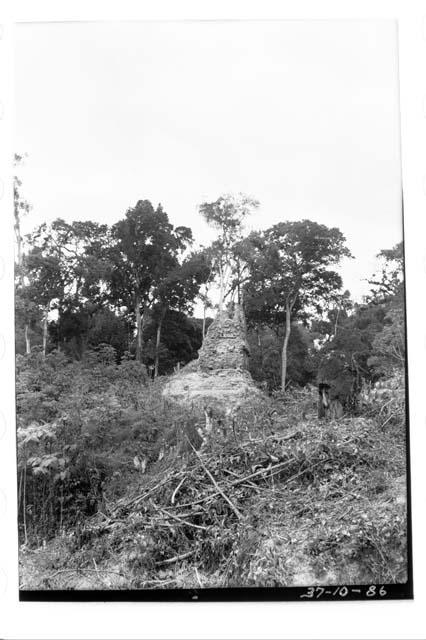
point(218, 382)
point(225, 345)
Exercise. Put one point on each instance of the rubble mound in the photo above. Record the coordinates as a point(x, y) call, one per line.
point(220, 390)
point(219, 378)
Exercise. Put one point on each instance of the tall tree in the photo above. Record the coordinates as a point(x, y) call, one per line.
point(227, 215)
point(180, 341)
point(344, 356)
point(290, 274)
point(63, 265)
point(388, 347)
point(44, 274)
point(389, 281)
point(206, 255)
point(177, 290)
point(145, 248)
point(21, 208)
point(265, 362)
point(387, 291)
point(326, 327)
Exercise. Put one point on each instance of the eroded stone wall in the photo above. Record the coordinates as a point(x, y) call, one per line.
point(225, 345)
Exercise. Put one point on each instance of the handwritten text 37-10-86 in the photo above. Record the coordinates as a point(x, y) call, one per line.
point(372, 591)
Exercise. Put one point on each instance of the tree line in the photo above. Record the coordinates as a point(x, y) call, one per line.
point(134, 284)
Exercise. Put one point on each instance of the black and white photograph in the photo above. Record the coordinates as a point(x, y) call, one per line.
point(211, 379)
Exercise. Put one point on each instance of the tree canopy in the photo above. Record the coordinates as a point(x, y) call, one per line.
point(290, 274)
point(227, 215)
point(134, 285)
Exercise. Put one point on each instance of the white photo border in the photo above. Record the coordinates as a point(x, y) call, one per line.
point(390, 619)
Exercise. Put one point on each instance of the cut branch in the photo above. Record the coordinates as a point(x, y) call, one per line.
point(174, 517)
point(182, 556)
point(222, 493)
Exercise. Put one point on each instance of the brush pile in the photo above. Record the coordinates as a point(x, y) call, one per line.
point(275, 504)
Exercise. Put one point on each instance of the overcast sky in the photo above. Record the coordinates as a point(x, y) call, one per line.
point(303, 116)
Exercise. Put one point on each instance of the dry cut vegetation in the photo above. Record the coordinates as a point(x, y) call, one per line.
point(284, 500)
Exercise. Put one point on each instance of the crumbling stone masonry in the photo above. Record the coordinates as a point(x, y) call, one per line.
point(225, 345)
point(218, 381)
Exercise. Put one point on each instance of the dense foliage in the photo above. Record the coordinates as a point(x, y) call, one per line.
point(133, 285)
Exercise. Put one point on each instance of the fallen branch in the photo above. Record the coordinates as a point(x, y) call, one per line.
point(177, 489)
point(274, 468)
point(300, 473)
point(134, 501)
point(182, 556)
point(222, 493)
point(190, 524)
point(288, 436)
point(159, 582)
point(248, 484)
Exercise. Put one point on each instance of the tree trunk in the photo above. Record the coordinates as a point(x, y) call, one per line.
point(143, 324)
point(138, 330)
point(19, 245)
point(285, 345)
point(157, 346)
point(60, 313)
point(27, 340)
point(46, 311)
point(21, 275)
point(19, 256)
point(220, 305)
point(222, 287)
point(204, 321)
point(337, 320)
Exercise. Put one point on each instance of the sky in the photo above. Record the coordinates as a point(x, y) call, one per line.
point(303, 116)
